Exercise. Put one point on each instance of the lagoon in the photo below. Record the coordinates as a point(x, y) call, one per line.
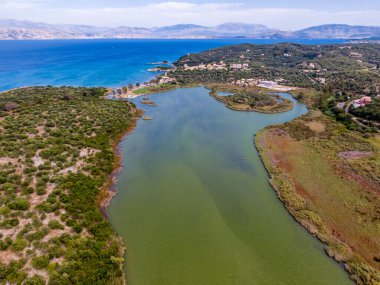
point(194, 205)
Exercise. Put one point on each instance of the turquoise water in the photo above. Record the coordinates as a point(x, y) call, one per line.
point(194, 206)
point(111, 63)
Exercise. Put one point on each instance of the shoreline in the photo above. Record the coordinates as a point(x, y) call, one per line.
point(108, 189)
point(304, 223)
point(16, 88)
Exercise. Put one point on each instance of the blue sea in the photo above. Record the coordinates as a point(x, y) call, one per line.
point(110, 63)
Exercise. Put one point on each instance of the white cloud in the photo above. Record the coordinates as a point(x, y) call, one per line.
point(17, 5)
point(168, 13)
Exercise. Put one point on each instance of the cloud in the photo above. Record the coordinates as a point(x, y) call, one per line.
point(172, 12)
point(17, 5)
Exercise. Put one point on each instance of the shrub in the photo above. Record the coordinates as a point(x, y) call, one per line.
point(19, 204)
point(9, 223)
point(40, 262)
point(3, 246)
point(19, 244)
point(54, 224)
point(35, 280)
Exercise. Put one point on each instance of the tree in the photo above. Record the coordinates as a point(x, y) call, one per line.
point(300, 96)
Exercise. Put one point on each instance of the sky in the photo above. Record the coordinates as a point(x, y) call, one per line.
point(280, 14)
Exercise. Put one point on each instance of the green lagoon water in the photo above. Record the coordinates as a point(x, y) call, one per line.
point(194, 205)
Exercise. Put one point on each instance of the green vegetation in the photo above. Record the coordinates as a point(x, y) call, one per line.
point(354, 67)
point(251, 99)
point(56, 154)
point(163, 68)
point(336, 196)
point(155, 89)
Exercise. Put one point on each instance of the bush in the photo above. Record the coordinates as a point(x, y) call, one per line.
point(40, 262)
point(54, 224)
point(35, 280)
point(19, 244)
point(3, 246)
point(9, 223)
point(19, 204)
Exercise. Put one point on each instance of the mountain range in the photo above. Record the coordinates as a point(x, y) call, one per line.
point(21, 30)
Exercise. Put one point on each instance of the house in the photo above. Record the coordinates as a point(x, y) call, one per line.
point(355, 54)
point(361, 102)
point(236, 66)
point(166, 79)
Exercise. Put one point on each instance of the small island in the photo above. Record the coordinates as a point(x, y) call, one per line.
point(250, 99)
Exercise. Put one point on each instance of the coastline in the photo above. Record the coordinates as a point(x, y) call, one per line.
point(108, 191)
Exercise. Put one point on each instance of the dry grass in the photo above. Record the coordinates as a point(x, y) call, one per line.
point(316, 126)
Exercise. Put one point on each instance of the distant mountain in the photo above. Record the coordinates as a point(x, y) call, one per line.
point(338, 32)
point(13, 30)
point(242, 28)
point(181, 30)
point(224, 30)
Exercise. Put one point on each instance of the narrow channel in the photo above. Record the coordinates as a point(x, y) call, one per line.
point(194, 205)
